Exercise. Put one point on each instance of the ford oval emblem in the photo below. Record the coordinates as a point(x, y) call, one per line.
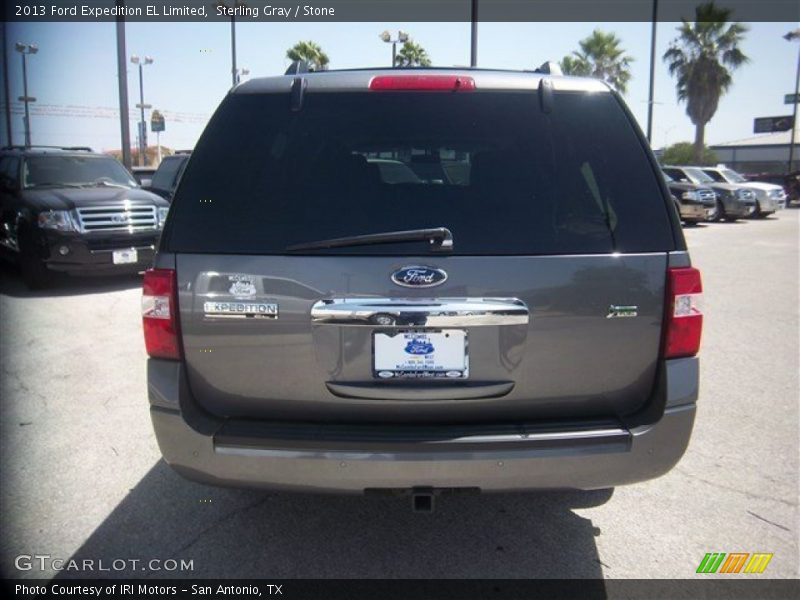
point(419, 277)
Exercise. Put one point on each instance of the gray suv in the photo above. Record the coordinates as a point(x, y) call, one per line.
point(734, 201)
point(517, 311)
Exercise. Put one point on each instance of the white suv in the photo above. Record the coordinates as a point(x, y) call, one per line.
point(769, 197)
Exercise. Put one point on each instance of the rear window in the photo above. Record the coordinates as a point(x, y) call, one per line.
point(503, 176)
point(164, 177)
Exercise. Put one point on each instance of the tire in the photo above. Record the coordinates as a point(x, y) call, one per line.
point(34, 272)
point(719, 214)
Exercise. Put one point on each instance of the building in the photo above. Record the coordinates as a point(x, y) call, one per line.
point(765, 153)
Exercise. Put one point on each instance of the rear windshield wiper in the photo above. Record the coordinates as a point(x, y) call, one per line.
point(440, 239)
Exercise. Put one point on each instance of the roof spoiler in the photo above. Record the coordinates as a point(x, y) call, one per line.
point(297, 67)
point(549, 67)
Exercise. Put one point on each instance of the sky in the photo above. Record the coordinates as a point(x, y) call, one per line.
point(74, 74)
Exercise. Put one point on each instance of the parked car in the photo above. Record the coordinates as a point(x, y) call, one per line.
point(166, 178)
point(315, 322)
point(694, 203)
point(769, 197)
point(74, 211)
point(734, 201)
point(790, 182)
point(143, 175)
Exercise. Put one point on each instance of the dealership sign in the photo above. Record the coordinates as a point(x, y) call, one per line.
point(771, 124)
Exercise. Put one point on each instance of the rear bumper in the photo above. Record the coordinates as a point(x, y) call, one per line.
point(298, 457)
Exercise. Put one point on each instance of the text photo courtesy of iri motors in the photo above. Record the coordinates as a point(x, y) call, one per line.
point(390, 299)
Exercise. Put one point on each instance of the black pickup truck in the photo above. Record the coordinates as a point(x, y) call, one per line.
point(74, 211)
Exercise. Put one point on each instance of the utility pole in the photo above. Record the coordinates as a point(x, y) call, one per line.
point(794, 35)
point(122, 77)
point(6, 91)
point(650, 96)
point(25, 50)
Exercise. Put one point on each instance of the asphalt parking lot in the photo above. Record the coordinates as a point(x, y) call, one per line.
point(82, 476)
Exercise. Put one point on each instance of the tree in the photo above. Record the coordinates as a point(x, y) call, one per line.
point(701, 59)
point(311, 53)
point(600, 56)
point(682, 153)
point(412, 55)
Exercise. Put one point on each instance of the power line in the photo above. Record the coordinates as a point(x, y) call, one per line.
point(100, 112)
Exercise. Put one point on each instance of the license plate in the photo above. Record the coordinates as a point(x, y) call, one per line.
point(414, 354)
point(125, 257)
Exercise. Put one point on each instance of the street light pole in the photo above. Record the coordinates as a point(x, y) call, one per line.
point(25, 50)
point(141, 106)
point(794, 35)
point(650, 99)
point(402, 36)
point(143, 123)
point(234, 5)
point(26, 99)
point(473, 51)
point(233, 50)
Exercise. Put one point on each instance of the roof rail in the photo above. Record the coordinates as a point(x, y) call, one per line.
point(67, 148)
point(182, 152)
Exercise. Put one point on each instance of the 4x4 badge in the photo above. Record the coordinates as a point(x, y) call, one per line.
point(616, 311)
point(418, 276)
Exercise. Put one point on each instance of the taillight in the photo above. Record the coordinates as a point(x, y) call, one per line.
point(422, 83)
point(160, 314)
point(684, 317)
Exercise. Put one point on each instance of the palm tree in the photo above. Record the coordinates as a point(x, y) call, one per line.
point(311, 53)
point(700, 58)
point(412, 55)
point(601, 56)
point(574, 65)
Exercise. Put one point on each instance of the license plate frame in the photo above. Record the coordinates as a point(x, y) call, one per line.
point(127, 256)
point(391, 358)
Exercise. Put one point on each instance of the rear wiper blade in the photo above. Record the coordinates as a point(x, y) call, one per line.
point(440, 239)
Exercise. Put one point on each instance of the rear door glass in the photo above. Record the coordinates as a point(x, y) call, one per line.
point(503, 176)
